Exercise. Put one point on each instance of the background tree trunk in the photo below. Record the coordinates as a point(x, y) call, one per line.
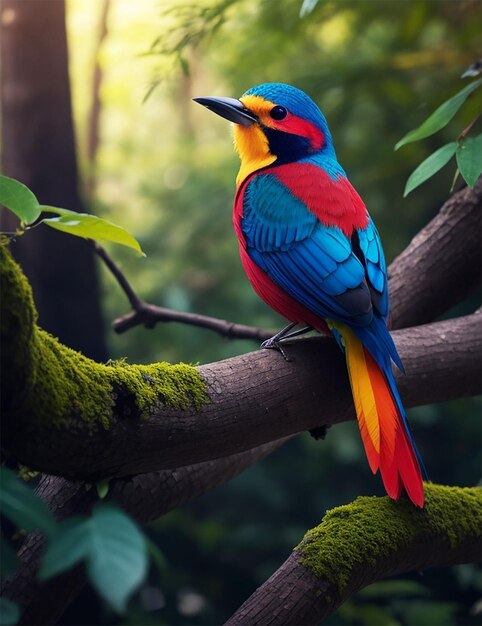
point(93, 121)
point(39, 150)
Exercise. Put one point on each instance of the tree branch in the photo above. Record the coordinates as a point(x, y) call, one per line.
point(118, 274)
point(363, 542)
point(441, 265)
point(67, 415)
point(148, 315)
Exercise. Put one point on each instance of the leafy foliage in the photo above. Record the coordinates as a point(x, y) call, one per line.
point(21, 506)
point(89, 226)
point(112, 546)
point(441, 116)
point(110, 543)
point(430, 166)
point(469, 158)
point(18, 198)
point(468, 150)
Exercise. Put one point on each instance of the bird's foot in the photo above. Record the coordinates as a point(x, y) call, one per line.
point(297, 333)
point(275, 344)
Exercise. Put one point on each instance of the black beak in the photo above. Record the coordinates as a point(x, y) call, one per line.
point(229, 108)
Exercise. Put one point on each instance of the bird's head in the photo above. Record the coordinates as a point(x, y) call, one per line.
point(274, 123)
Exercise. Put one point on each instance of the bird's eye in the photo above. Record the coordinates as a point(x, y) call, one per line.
point(278, 113)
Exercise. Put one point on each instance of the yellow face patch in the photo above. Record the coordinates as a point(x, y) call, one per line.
point(250, 142)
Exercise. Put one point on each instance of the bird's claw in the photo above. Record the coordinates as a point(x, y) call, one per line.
point(275, 344)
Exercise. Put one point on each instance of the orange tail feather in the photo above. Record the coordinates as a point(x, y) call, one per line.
point(385, 438)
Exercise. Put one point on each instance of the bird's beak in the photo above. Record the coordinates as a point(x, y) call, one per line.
point(229, 108)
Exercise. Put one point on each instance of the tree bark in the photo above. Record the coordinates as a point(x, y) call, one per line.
point(442, 264)
point(39, 150)
point(93, 120)
point(375, 538)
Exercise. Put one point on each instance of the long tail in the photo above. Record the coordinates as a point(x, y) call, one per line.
point(388, 442)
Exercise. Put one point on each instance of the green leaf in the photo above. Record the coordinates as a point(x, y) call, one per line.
point(440, 117)
point(19, 199)
point(70, 545)
point(90, 227)
point(8, 558)
point(112, 545)
point(469, 159)
point(22, 506)
point(430, 166)
point(118, 560)
point(9, 612)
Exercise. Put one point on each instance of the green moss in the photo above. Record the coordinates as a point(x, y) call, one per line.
point(64, 382)
point(370, 528)
point(46, 381)
point(17, 315)
point(178, 386)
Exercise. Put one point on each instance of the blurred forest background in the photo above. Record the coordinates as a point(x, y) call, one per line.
point(162, 167)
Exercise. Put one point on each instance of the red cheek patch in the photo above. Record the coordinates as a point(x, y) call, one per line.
point(297, 126)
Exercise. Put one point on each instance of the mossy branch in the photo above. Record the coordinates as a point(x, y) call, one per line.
point(363, 542)
point(65, 414)
point(60, 382)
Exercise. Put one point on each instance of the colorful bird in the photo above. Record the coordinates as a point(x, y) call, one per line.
point(313, 254)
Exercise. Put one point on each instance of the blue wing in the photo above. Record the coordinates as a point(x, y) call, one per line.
point(376, 268)
point(316, 264)
point(313, 263)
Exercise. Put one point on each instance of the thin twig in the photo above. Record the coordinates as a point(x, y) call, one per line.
point(148, 315)
point(134, 300)
point(467, 130)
